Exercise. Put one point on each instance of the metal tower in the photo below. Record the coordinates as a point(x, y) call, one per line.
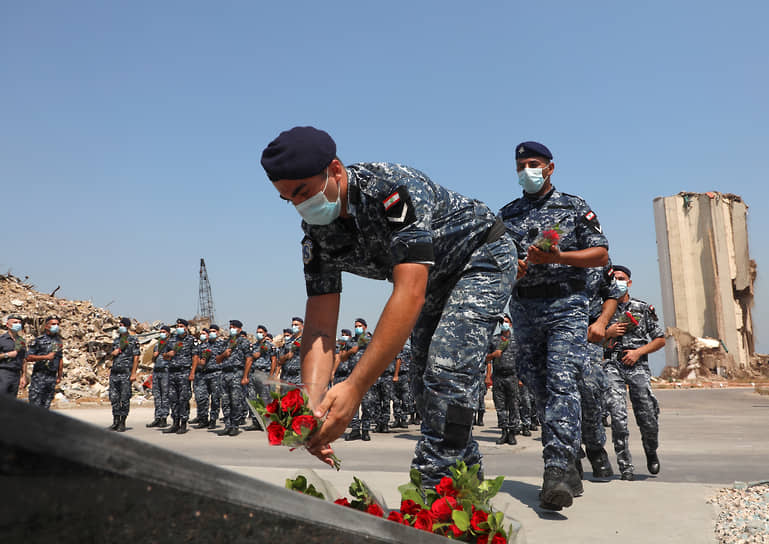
point(205, 300)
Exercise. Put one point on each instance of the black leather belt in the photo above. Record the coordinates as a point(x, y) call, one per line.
point(617, 356)
point(495, 231)
point(550, 290)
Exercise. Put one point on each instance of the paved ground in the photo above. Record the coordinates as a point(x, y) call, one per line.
point(709, 439)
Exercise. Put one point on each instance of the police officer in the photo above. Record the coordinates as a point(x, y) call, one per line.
point(403, 404)
point(289, 361)
point(549, 309)
point(46, 351)
point(160, 378)
point(527, 409)
point(361, 422)
point(383, 392)
point(451, 268)
point(633, 334)
point(196, 378)
point(502, 377)
point(208, 393)
point(342, 345)
point(594, 383)
point(263, 355)
point(235, 362)
point(125, 359)
point(13, 363)
point(179, 359)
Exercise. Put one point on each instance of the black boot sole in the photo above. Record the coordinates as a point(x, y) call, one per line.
point(556, 498)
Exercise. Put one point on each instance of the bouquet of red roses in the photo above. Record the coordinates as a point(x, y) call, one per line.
point(632, 321)
point(287, 415)
point(548, 239)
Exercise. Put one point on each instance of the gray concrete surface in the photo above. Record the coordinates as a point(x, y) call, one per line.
point(708, 439)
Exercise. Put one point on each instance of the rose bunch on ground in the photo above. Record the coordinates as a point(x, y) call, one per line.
point(288, 418)
point(548, 239)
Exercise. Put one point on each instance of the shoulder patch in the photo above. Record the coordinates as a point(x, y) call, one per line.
point(399, 209)
point(307, 251)
point(592, 220)
point(653, 312)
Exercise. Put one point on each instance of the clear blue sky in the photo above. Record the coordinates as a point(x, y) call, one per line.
point(130, 133)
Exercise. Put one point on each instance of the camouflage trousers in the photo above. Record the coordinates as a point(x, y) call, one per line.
point(645, 408)
point(593, 388)
point(120, 394)
point(179, 394)
point(376, 403)
point(526, 405)
point(484, 390)
point(449, 339)
point(257, 389)
point(403, 404)
point(232, 398)
point(160, 393)
point(9, 382)
point(505, 394)
point(208, 395)
point(42, 388)
point(551, 336)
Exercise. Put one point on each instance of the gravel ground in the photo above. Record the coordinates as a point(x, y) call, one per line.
point(744, 514)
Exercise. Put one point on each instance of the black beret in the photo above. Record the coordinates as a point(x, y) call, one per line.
point(165, 328)
point(261, 327)
point(236, 323)
point(15, 316)
point(243, 333)
point(298, 153)
point(286, 331)
point(52, 317)
point(268, 335)
point(125, 321)
point(347, 332)
point(527, 150)
point(361, 320)
point(299, 319)
point(203, 330)
point(621, 268)
point(214, 327)
point(181, 321)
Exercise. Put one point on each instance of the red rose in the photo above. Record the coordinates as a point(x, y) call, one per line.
point(375, 510)
point(424, 521)
point(303, 422)
point(479, 516)
point(410, 507)
point(456, 531)
point(292, 401)
point(446, 487)
point(441, 509)
point(397, 517)
point(482, 539)
point(551, 235)
point(342, 502)
point(498, 539)
point(275, 433)
point(272, 408)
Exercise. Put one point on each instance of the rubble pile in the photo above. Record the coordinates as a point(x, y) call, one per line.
point(87, 333)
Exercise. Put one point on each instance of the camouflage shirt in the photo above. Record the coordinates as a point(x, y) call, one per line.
point(8, 343)
point(405, 357)
point(160, 348)
point(505, 364)
point(43, 345)
point(527, 218)
point(241, 350)
point(129, 348)
point(183, 348)
point(647, 330)
point(397, 215)
point(600, 287)
point(262, 352)
point(293, 365)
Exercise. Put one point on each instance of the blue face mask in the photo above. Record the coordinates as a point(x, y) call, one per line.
point(122, 330)
point(358, 330)
point(505, 326)
point(212, 336)
point(16, 327)
point(54, 329)
point(622, 284)
point(179, 331)
point(203, 337)
point(531, 180)
point(295, 328)
point(345, 338)
point(317, 210)
point(259, 336)
point(163, 336)
point(233, 332)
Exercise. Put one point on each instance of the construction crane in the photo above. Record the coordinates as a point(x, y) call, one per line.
point(205, 300)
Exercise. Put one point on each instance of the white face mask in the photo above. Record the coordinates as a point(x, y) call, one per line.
point(203, 337)
point(317, 210)
point(531, 180)
point(259, 336)
point(622, 284)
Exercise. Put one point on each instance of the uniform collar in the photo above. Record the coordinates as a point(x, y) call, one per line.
point(539, 199)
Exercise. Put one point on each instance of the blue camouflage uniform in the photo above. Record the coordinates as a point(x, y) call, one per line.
point(160, 379)
point(43, 384)
point(381, 394)
point(397, 215)
point(10, 367)
point(549, 310)
point(637, 378)
point(120, 374)
point(594, 384)
point(233, 367)
point(179, 367)
point(504, 377)
point(208, 378)
point(403, 402)
point(291, 370)
point(362, 419)
point(345, 367)
point(261, 352)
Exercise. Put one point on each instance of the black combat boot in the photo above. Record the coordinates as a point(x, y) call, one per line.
point(234, 431)
point(212, 424)
point(574, 478)
point(155, 423)
point(402, 423)
point(525, 431)
point(194, 420)
point(254, 426)
point(182, 427)
point(599, 460)
point(121, 424)
point(224, 432)
point(353, 435)
point(503, 439)
point(163, 422)
point(202, 423)
point(413, 420)
point(365, 436)
point(173, 428)
point(627, 474)
point(511, 438)
point(556, 492)
point(115, 422)
point(384, 428)
point(652, 462)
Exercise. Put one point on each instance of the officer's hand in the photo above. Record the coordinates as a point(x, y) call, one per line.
point(132, 378)
point(522, 267)
point(339, 406)
point(50, 356)
point(395, 378)
point(596, 332)
point(227, 352)
point(23, 381)
point(489, 383)
point(116, 352)
point(630, 357)
point(192, 377)
point(244, 381)
point(616, 329)
point(10, 354)
point(537, 256)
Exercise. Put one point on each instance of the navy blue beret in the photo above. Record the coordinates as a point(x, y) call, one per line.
point(181, 321)
point(299, 319)
point(214, 327)
point(286, 331)
point(165, 328)
point(125, 321)
point(527, 150)
point(346, 332)
point(15, 316)
point(261, 327)
point(621, 268)
point(299, 153)
point(363, 321)
point(236, 323)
